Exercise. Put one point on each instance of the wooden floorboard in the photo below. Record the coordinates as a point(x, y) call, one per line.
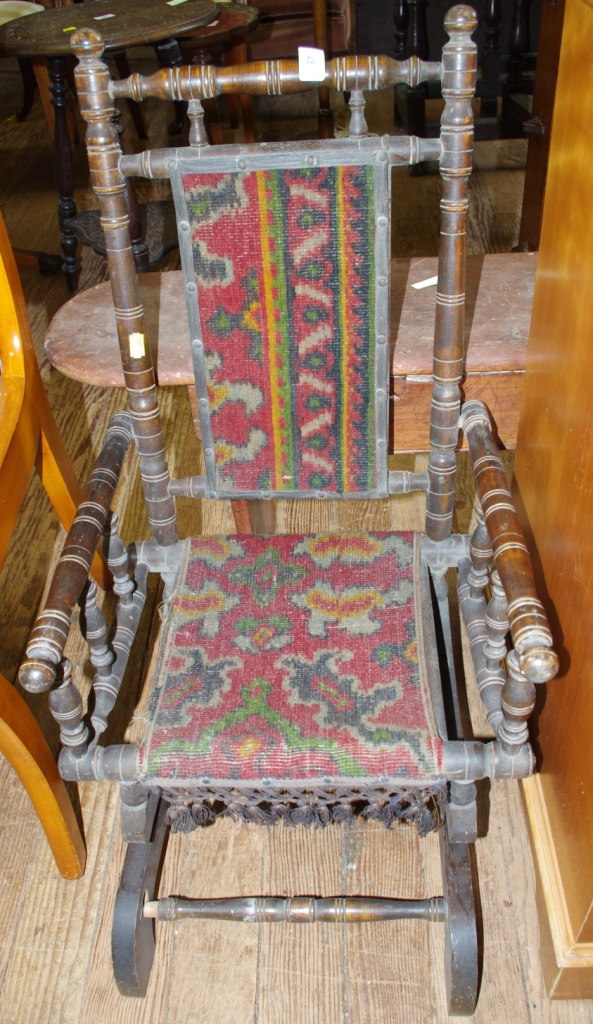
point(55, 962)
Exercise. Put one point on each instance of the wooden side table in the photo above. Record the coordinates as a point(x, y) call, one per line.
point(122, 23)
point(226, 33)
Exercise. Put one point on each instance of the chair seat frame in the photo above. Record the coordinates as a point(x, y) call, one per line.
point(506, 680)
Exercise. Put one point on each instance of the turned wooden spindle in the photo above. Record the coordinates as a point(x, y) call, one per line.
point(298, 910)
point(116, 554)
point(65, 704)
point(94, 629)
point(141, 260)
point(272, 77)
point(457, 129)
point(491, 56)
point(401, 20)
point(198, 135)
point(518, 44)
point(104, 152)
point(497, 624)
point(530, 631)
point(480, 551)
point(517, 703)
point(358, 127)
point(50, 632)
point(488, 672)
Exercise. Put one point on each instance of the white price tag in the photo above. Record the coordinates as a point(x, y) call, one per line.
point(427, 283)
point(137, 349)
point(311, 64)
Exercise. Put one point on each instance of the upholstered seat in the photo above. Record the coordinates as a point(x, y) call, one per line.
point(292, 682)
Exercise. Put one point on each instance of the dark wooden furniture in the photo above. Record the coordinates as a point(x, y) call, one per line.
point(227, 34)
point(154, 231)
point(81, 341)
point(332, 687)
point(129, 23)
point(553, 484)
point(505, 75)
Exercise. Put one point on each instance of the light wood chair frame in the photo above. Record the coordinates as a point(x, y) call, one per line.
point(508, 692)
point(29, 438)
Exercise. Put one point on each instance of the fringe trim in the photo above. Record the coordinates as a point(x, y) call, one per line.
point(422, 806)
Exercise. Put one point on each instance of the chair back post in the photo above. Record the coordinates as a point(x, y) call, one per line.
point(104, 153)
point(457, 129)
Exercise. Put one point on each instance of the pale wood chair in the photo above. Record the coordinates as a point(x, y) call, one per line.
point(297, 679)
point(29, 437)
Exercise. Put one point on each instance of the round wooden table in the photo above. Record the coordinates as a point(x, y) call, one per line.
point(121, 23)
point(227, 34)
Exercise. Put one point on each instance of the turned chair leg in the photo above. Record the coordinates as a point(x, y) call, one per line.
point(132, 937)
point(26, 750)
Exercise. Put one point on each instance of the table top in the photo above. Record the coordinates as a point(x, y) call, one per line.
point(233, 23)
point(82, 338)
point(120, 22)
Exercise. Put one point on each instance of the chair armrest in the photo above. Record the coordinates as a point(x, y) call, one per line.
point(50, 632)
point(530, 630)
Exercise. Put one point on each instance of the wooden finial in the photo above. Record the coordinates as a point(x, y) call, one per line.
point(461, 18)
point(87, 42)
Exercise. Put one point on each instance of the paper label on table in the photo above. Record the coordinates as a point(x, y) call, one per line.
point(427, 283)
point(311, 64)
point(137, 348)
point(101, 17)
point(71, 28)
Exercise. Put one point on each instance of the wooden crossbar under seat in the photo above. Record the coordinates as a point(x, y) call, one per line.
point(298, 910)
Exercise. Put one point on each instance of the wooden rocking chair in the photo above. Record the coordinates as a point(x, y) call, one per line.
point(299, 678)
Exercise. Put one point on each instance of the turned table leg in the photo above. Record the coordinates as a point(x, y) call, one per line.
point(64, 173)
point(169, 56)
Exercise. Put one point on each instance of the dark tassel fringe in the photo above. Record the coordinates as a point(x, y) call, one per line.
point(410, 806)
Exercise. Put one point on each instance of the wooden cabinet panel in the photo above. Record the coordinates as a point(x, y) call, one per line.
point(554, 486)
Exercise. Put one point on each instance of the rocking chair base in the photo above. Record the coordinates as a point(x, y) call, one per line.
point(136, 909)
point(132, 936)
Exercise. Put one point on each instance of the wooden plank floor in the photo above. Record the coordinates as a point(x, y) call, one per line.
point(55, 935)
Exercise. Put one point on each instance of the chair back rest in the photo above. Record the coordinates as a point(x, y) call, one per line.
point(285, 267)
point(285, 255)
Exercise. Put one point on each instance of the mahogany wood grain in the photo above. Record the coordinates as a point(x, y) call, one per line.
point(553, 484)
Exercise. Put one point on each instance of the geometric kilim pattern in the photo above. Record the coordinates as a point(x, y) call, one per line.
point(290, 662)
point(284, 261)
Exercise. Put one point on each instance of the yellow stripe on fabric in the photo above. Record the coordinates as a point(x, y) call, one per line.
point(271, 323)
point(344, 339)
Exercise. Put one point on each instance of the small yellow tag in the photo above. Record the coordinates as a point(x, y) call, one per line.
point(137, 349)
point(71, 28)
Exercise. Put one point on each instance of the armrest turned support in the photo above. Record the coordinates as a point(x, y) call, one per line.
point(530, 631)
point(50, 632)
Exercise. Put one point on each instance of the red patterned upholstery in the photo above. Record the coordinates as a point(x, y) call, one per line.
point(293, 660)
point(284, 264)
